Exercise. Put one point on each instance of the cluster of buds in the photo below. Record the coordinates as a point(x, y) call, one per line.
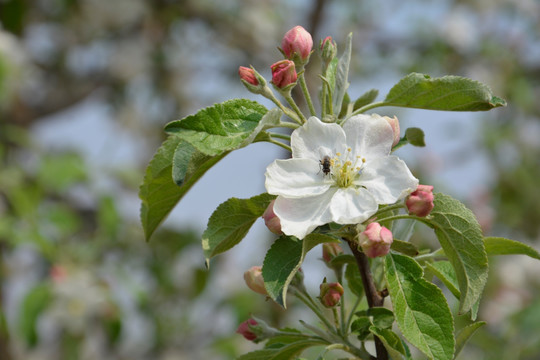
point(296, 47)
point(420, 202)
point(376, 240)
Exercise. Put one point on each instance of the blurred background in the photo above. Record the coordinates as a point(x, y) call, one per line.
point(86, 87)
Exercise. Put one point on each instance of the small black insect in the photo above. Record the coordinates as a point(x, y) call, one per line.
point(325, 165)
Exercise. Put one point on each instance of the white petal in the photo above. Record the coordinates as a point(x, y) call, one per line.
point(369, 136)
point(315, 139)
point(299, 217)
point(352, 206)
point(296, 178)
point(388, 179)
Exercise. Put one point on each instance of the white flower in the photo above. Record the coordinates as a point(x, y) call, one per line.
point(337, 174)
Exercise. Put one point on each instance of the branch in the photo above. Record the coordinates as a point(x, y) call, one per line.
point(374, 297)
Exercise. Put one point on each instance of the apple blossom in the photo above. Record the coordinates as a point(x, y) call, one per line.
point(362, 174)
point(420, 202)
point(376, 240)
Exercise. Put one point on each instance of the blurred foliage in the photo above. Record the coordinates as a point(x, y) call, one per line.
point(79, 280)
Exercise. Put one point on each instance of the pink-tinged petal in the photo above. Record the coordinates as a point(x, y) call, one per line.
point(316, 139)
point(369, 136)
point(296, 178)
point(388, 179)
point(300, 217)
point(352, 206)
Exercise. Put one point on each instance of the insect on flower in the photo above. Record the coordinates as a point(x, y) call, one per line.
point(325, 165)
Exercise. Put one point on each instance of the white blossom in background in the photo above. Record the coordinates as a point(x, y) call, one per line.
point(337, 174)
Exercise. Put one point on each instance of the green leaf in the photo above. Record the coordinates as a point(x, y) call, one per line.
point(221, 127)
point(445, 272)
point(404, 247)
point(342, 259)
point(367, 98)
point(391, 342)
point(382, 318)
point(158, 192)
point(465, 334)
point(415, 137)
point(283, 260)
point(451, 93)
point(461, 238)
point(354, 279)
point(342, 75)
point(420, 308)
point(503, 246)
point(289, 351)
point(176, 163)
point(35, 302)
point(230, 223)
point(360, 327)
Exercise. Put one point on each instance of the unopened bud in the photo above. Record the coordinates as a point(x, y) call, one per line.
point(330, 294)
point(254, 280)
point(297, 44)
point(420, 202)
point(248, 329)
point(376, 240)
point(271, 220)
point(248, 75)
point(328, 50)
point(330, 251)
point(394, 123)
point(283, 74)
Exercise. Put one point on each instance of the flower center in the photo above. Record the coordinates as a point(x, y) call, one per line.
point(346, 168)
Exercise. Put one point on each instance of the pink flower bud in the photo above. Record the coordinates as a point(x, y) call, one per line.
point(283, 73)
point(297, 43)
point(271, 220)
point(254, 280)
point(420, 202)
point(376, 240)
point(330, 294)
point(245, 331)
point(248, 75)
point(394, 123)
point(330, 251)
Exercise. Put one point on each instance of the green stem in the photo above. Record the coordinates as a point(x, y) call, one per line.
point(280, 136)
point(306, 299)
point(291, 114)
point(351, 314)
point(275, 142)
point(388, 208)
point(295, 107)
point(305, 90)
point(368, 107)
point(398, 217)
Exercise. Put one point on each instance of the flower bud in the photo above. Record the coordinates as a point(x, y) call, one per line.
point(283, 74)
point(420, 202)
point(246, 329)
point(328, 50)
point(330, 294)
point(394, 123)
point(254, 280)
point(330, 251)
point(248, 75)
point(271, 220)
point(297, 44)
point(375, 240)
